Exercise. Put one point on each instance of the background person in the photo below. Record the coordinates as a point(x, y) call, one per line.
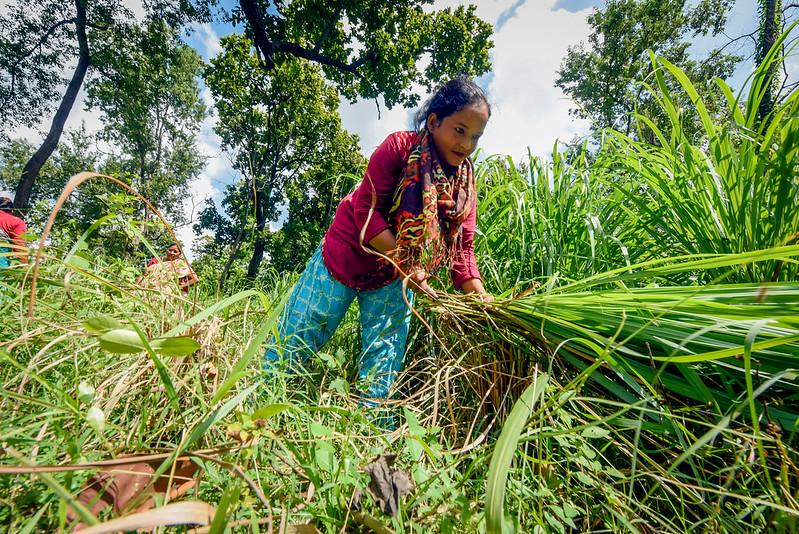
point(12, 230)
point(161, 273)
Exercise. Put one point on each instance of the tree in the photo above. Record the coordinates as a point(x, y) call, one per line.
point(311, 203)
point(603, 78)
point(369, 48)
point(75, 153)
point(769, 29)
point(149, 97)
point(39, 37)
point(281, 125)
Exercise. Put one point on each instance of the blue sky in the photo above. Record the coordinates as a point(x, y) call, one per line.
point(531, 38)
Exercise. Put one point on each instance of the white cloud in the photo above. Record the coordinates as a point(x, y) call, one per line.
point(362, 118)
point(208, 45)
point(529, 111)
point(137, 8)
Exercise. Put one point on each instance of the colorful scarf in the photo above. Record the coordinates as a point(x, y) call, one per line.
point(429, 208)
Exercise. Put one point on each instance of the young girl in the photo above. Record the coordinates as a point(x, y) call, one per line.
point(413, 212)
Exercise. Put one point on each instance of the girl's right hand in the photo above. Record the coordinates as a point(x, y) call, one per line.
point(417, 281)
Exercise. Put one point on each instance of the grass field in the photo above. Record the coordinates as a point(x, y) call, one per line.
point(637, 371)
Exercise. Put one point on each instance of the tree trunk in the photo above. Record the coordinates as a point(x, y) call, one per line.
point(235, 248)
point(31, 171)
point(767, 38)
point(232, 257)
point(260, 226)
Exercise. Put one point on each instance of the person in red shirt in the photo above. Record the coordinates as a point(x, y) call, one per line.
point(172, 253)
point(161, 273)
point(12, 230)
point(413, 213)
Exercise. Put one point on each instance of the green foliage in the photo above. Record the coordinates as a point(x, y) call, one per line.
point(603, 78)
point(370, 49)
point(149, 97)
point(76, 153)
point(734, 193)
point(289, 145)
point(547, 221)
point(36, 40)
point(504, 452)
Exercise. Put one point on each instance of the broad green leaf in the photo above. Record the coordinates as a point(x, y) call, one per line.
point(505, 449)
point(101, 324)
point(121, 341)
point(269, 411)
point(175, 346)
point(595, 432)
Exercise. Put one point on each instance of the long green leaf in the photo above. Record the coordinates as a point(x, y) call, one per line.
point(504, 451)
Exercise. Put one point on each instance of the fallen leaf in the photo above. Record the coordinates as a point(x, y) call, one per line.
point(118, 485)
point(179, 513)
point(387, 484)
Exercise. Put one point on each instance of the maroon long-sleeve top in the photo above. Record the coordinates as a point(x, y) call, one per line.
point(342, 252)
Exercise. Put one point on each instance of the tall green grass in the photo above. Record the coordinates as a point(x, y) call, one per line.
point(637, 372)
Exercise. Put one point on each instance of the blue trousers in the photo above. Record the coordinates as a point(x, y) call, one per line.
point(317, 305)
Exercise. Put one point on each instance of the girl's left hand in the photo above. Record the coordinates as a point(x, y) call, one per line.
point(482, 297)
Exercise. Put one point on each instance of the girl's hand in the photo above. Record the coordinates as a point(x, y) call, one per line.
point(482, 297)
point(417, 281)
point(474, 287)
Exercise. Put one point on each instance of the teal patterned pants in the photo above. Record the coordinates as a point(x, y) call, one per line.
point(317, 305)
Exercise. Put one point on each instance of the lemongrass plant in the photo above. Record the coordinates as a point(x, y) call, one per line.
point(689, 387)
point(733, 190)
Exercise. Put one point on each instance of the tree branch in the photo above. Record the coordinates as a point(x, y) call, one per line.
point(298, 51)
point(731, 41)
point(266, 47)
point(255, 21)
point(46, 35)
point(13, 67)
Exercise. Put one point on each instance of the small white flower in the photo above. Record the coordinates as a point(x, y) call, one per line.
point(96, 418)
point(85, 393)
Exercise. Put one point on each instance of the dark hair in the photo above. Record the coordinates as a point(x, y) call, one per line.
point(6, 204)
point(450, 98)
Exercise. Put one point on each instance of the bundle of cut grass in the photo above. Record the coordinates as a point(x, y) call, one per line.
point(722, 346)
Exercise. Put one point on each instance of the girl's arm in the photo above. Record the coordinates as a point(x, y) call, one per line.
point(475, 286)
point(465, 275)
point(386, 243)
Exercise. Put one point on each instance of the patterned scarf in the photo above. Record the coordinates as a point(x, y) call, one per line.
point(429, 208)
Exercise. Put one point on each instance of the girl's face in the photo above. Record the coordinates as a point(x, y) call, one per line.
point(172, 253)
point(456, 136)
